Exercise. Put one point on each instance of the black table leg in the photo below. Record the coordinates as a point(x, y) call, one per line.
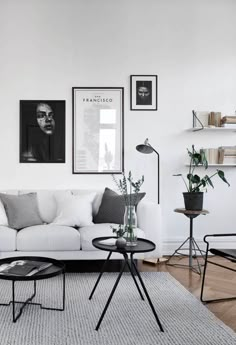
point(14, 316)
point(100, 275)
point(132, 273)
point(63, 297)
point(112, 293)
point(146, 293)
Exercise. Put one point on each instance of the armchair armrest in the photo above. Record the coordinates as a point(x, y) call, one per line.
point(149, 220)
point(215, 235)
point(218, 235)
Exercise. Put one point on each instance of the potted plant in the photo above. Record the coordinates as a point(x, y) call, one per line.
point(196, 185)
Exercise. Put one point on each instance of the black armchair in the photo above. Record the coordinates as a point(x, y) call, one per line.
point(228, 254)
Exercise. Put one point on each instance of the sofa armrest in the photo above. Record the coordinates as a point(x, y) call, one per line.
point(149, 220)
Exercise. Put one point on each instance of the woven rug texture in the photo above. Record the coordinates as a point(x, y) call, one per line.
point(128, 321)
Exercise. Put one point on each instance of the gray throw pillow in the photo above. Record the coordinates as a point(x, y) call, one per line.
point(112, 207)
point(22, 210)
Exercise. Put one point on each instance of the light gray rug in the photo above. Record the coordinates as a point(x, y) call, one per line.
point(128, 321)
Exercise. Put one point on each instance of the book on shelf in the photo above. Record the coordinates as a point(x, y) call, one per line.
point(214, 119)
point(23, 267)
point(212, 155)
point(229, 160)
point(228, 150)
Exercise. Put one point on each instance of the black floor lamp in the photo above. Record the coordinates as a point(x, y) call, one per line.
point(147, 148)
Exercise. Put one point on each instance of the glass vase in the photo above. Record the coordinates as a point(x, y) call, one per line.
point(130, 223)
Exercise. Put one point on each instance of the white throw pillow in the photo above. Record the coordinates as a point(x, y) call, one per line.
point(74, 210)
point(3, 216)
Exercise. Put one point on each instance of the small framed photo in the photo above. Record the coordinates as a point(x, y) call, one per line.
point(42, 131)
point(143, 92)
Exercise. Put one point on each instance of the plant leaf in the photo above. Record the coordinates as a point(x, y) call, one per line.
point(221, 174)
point(208, 181)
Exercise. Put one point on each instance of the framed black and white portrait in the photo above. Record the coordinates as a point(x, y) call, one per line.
point(42, 131)
point(143, 92)
point(98, 130)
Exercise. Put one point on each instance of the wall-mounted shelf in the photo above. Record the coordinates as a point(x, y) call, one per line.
point(215, 165)
point(216, 129)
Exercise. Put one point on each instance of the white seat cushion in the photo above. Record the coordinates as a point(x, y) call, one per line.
point(7, 239)
point(88, 233)
point(48, 238)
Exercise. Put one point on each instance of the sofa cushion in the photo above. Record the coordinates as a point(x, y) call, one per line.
point(7, 239)
point(74, 210)
point(96, 201)
point(21, 210)
point(48, 237)
point(3, 216)
point(88, 233)
point(112, 207)
point(46, 202)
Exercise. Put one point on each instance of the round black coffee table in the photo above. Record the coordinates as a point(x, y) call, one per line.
point(56, 268)
point(142, 246)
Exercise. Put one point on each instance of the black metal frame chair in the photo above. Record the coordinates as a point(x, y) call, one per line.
point(228, 254)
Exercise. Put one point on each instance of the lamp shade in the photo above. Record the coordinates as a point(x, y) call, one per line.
point(147, 148)
point(143, 148)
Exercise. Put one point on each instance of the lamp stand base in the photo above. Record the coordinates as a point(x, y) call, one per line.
point(156, 261)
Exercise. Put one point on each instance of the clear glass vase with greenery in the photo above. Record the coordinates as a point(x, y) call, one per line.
point(129, 189)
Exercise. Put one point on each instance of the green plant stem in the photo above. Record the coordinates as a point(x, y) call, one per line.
point(185, 184)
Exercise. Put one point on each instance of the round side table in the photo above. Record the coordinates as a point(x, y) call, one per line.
point(193, 246)
point(142, 246)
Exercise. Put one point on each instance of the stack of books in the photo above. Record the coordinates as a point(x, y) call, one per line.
point(228, 122)
point(23, 267)
point(227, 155)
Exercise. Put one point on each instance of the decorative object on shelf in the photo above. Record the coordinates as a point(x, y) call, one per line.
point(120, 231)
point(200, 119)
point(143, 92)
point(42, 131)
point(127, 186)
point(147, 148)
point(98, 130)
point(195, 184)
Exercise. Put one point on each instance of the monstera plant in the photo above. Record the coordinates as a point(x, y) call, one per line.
point(196, 184)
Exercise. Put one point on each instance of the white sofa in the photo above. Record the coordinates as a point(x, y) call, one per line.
point(67, 243)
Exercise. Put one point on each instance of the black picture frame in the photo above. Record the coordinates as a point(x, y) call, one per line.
point(98, 130)
point(42, 131)
point(144, 92)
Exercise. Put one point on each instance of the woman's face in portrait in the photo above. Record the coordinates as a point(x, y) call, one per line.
point(143, 92)
point(45, 118)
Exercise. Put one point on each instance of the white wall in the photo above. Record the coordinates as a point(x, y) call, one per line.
point(48, 46)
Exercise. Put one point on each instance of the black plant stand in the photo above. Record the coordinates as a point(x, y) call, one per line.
point(142, 246)
point(193, 246)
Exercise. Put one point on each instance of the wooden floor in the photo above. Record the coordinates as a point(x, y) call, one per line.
point(218, 280)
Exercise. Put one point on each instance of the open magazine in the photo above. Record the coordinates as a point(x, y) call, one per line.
point(23, 267)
